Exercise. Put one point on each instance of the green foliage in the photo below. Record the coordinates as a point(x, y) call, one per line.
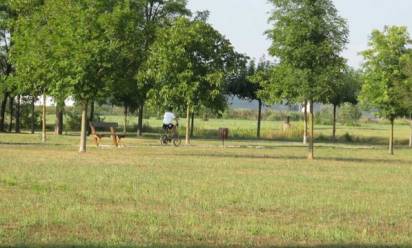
point(383, 72)
point(307, 38)
point(349, 115)
point(187, 66)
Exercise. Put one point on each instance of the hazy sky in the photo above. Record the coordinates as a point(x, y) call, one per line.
point(245, 21)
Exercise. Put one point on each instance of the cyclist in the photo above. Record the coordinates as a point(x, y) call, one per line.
point(168, 120)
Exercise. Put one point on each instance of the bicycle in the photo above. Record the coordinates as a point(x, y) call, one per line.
point(171, 136)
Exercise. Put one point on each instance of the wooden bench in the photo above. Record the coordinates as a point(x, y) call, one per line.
point(116, 139)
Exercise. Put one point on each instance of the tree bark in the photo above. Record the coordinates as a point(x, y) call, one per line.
point(192, 124)
point(140, 121)
point(18, 110)
point(83, 129)
point(259, 120)
point(311, 155)
point(33, 114)
point(3, 111)
point(58, 130)
point(43, 125)
point(11, 108)
point(125, 119)
point(391, 139)
point(305, 124)
point(90, 118)
point(334, 123)
point(188, 125)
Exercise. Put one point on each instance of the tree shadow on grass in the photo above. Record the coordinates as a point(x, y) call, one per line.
point(210, 246)
point(297, 158)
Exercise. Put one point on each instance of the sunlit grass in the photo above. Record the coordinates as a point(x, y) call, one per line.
point(251, 193)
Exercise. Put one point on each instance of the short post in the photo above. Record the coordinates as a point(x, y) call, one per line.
point(224, 134)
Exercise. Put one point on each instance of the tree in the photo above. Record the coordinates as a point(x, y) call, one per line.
point(307, 39)
point(258, 77)
point(157, 14)
point(188, 63)
point(383, 74)
point(406, 89)
point(345, 89)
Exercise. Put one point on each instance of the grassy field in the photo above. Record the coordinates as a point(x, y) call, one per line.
point(249, 194)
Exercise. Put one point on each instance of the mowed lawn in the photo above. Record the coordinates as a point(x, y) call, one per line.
point(249, 194)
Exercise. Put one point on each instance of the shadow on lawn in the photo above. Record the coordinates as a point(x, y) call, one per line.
point(249, 156)
point(212, 246)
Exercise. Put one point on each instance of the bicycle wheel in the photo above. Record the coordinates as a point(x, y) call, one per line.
point(164, 140)
point(177, 141)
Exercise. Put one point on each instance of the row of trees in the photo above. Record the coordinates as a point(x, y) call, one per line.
point(134, 53)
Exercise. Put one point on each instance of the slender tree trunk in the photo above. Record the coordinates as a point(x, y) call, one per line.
point(259, 120)
point(125, 119)
point(140, 121)
point(33, 115)
point(391, 139)
point(91, 117)
point(311, 154)
point(11, 108)
point(18, 110)
point(3, 111)
point(58, 130)
point(83, 129)
point(192, 124)
point(410, 136)
point(43, 125)
point(188, 125)
point(305, 124)
point(334, 123)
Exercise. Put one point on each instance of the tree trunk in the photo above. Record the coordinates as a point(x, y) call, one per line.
point(18, 110)
point(3, 111)
point(58, 130)
point(259, 118)
point(334, 123)
point(91, 118)
point(125, 119)
point(140, 121)
point(43, 120)
point(391, 140)
point(32, 119)
point(311, 154)
point(83, 129)
point(11, 108)
point(305, 124)
point(410, 136)
point(188, 125)
point(192, 124)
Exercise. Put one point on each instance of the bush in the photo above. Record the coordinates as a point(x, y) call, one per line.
point(325, 116)
point(73, 119)
point(349, 115)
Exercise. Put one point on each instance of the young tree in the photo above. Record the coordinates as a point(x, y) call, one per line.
point(188, 65)
point(344, 89)
point(157, 14)
point(258, 78)
point(406, 89)
point(383, 74)
point(307, 39)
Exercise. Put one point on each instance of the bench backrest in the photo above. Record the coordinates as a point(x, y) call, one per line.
point(104, 125)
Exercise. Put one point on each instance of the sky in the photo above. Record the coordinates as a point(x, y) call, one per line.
point(244, 22)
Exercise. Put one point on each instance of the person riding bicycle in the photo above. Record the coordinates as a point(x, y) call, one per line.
point(168, 120)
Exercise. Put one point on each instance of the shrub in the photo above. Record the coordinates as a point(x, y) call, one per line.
point(349, 115)
point(325, 116)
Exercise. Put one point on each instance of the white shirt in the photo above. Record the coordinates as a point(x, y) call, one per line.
point(168, 118)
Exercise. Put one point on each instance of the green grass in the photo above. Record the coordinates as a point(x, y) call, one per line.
point(249, 194)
